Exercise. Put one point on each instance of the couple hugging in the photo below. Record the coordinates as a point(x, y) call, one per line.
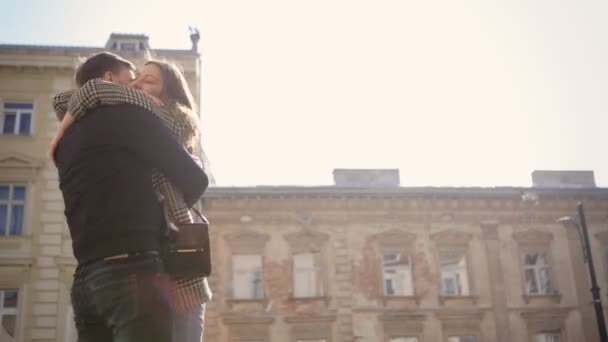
point(126, 154)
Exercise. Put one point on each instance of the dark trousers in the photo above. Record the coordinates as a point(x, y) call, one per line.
point(122, 300)
point(189, 326)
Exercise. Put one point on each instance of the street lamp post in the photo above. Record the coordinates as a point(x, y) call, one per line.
point(595, 290)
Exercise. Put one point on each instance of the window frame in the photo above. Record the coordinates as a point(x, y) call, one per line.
point(557, 332)
point(308, 241)
point(318, 283)
point(251, 286)
point(537, 269)
point(9, 311)
point(18, 112)
point(410, 272)
point(466, 255)
point(11, 203)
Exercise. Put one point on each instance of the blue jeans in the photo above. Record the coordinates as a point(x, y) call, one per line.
point(188, 326)
point(122, 300)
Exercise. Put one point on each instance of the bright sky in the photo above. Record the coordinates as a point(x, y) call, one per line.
point(453, 93)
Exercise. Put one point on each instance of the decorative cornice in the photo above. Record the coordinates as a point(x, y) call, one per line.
point(395, 238)
point(310, 319)
point(237, 319)
point(19, 161)
point(16, 261)
point(460, 321)
point(559, 314)
point(489, 229)
point(532, 237)
point(545, 319)
point(402, 317)
point(247, 241)
point(306, 240)
point(452, 237)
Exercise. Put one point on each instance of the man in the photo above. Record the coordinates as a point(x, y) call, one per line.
point(105, 163)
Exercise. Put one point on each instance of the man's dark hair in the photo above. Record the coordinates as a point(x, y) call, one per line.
point(98, 64)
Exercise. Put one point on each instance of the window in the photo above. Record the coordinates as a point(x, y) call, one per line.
point(403, 339)
point(397, 275)
point(468, 338)
point(537, 274)
point(307, 280)
point(8, 311)
point(548, 336)
point(454, 275)
point(248, 277)
point(12, 209)
point(128, 46)
point(17, 118)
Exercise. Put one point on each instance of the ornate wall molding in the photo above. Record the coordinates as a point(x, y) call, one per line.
point(450, 237)
point(247, 241)
point(533, 238)
point(545, 319)
point(18, 167)
point(306, 240)
point(395, 239)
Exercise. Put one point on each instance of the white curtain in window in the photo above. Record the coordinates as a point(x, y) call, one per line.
point(247, 277)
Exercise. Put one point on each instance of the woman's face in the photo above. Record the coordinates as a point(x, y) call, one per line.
point(150, 80)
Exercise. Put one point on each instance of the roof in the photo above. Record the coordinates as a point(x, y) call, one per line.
point(450, 192)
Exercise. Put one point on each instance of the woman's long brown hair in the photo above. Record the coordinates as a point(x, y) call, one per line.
point(177, 93)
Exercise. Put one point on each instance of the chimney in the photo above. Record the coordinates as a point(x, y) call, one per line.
point(367, 178)
point(563, 179)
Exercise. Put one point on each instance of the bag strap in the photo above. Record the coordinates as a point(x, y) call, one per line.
point(201, 216)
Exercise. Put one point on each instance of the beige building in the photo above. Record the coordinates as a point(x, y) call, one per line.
point(36, 262)
point(362, 260)
point(367, 260)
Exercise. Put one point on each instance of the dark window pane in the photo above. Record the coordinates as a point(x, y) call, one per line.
point(10, 298)
point(17, 220)
point(4, 192)
point(19, 193)
point(9, 123)
point(25, 123)
point(3, 216)
point(8, 324)
point(15, 105)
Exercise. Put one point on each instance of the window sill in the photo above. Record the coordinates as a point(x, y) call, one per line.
point(400, 301)
point(458, 300)
point(309, 304)
point(325, 299)
point(14, 241)
point(16, 136)
point(247, 305)
point(543, 299)
point(246, 300)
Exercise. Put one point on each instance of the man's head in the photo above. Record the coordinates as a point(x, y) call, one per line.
point(107, 66)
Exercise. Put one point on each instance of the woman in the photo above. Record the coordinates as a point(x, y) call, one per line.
point(161, 88)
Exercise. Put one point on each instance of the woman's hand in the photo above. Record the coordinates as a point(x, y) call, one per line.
point(155, 99)
point(67, 121)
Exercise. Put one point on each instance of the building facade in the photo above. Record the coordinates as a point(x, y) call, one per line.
point(36, 262)
point(363, 260)
point(359, 263)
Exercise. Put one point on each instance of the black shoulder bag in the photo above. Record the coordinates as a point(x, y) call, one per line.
point(187, 253)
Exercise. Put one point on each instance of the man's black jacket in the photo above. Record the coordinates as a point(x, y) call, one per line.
point(105, 163)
